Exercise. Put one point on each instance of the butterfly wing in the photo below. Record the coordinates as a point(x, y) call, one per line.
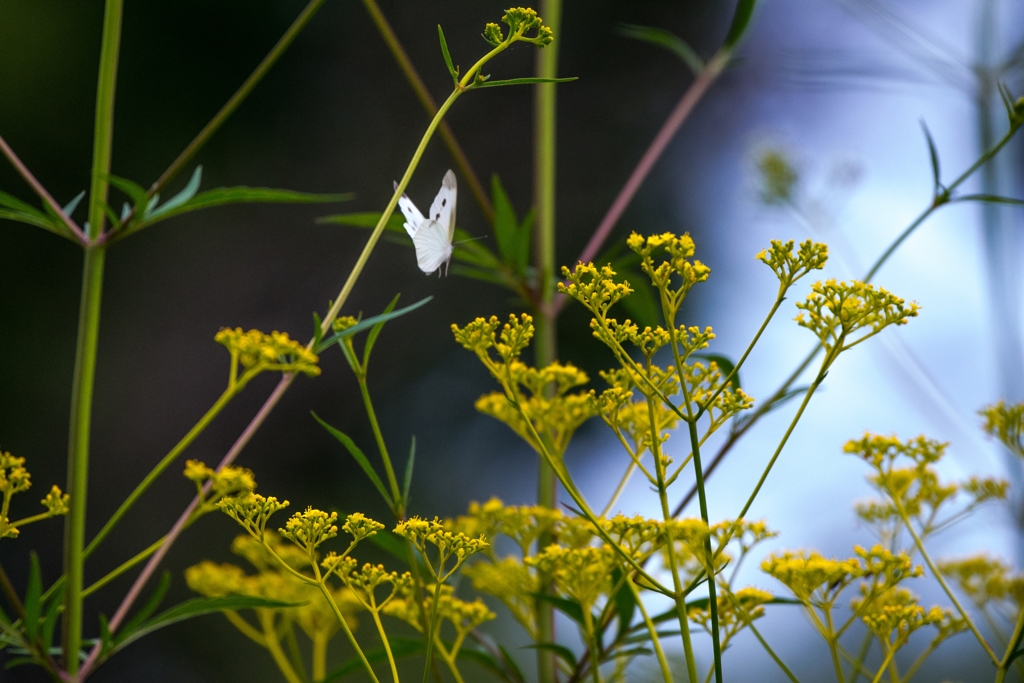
point(433, 246)
point(413, 218)
point(442, 210)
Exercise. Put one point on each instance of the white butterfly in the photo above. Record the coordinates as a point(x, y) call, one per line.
point(432, 236)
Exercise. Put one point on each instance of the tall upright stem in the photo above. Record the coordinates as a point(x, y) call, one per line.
point(88, 334)
point(544, 120)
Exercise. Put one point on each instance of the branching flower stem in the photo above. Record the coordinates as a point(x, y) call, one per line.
point(940, 199)
point(942, 582)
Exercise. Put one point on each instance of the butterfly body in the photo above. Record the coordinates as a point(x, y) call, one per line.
point(432, 234)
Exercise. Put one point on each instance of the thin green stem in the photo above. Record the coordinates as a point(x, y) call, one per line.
point(942, 581)
point(164, 463)
point(384, 640)
point(652, 629)
point(833, 646)
point(319, 656)
point(865, 647)
point(713, 600)
point(882, 667)
point(273, 645)
point(1011, 647)
point(432, 627)
point(592, 643)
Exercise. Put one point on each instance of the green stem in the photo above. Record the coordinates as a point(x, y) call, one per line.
point(865, 647)
point(666, 671)
point(319, 656)
point(88, 335)
point(546, 344)
point(1011, 648)
point(942, 581)
point(592, 643)
point(273, 646)
point(713, 600)
point(432, 626)
point(384, 640)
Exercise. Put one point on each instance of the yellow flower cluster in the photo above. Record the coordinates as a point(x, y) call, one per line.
point(735, 611)
point(251, 511)
point(675, 252)
point(519, 20)
point(790, 267)
point(228, 481)
point(14, 479)
point(312, 612)
point(457, 545)
point(837, 311)
point(257, 351)
point(552, 412)
point(817, 580)
point(914, 490)
point(1006, 423)
point(594, 287)
point(893, 615)
point(986, 580)
point(310, 528)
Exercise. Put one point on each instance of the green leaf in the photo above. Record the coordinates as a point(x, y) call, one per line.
point(147, 609)
point(224, 196)
point(1014, 656)
point(33, 605)
point(187, 193)
point(407, 481)
point(22, 212)
point(360, 458)
point(667, 40)
point(52, 612)
point(725, 364)
point(506, 227)
point(521, 81)
point(934, 156)
point(70, 207)
point(106, 641)
point(447, 56)
point(197, 607)
point(318, 332)
point(367, 219)
point(400, 648)
point(740, 23)
point(371, 338)
point(369, 322)
point(561, 651)
point(569, 608)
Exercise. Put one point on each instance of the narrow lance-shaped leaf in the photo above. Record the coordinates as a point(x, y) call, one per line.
point(740, 22)
point(197, 607)
point(241, 195)
point(934, 157)
point(400, 648)
point(147, 609)
point(993, 198)
point(447, 56)
point(407, 482)
point(187, 193)
point(375, 331)
point(667, 40)
point(359, 457)
point(366, 219)
point(369, 322)
point(70, 207)
point(520, 81)
point(52, 612)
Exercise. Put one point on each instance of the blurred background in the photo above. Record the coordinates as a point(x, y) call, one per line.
point(838, 87)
